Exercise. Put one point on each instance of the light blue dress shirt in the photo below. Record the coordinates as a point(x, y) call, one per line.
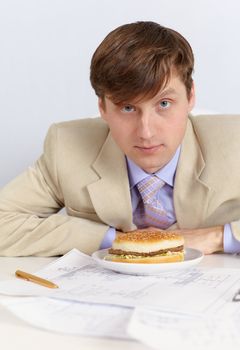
point(167, 174)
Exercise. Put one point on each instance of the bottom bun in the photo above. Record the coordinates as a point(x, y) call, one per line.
point(157, 259)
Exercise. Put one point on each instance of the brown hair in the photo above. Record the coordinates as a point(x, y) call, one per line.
point(137, 60)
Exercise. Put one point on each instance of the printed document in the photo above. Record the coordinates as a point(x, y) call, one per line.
point(71, 317)
point(168, 330)
point(151, 309)
point(79, 279)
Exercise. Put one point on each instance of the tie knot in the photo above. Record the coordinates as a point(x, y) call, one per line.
point(149, 186)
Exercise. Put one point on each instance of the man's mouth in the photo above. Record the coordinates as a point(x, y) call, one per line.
point(149, 149)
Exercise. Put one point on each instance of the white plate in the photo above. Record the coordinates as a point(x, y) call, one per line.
point(192, 257)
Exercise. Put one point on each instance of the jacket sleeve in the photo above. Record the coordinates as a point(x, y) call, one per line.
point(29, 220)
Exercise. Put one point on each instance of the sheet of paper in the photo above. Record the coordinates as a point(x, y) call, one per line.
point(68, 263)
point(70, 317)
point(80, 279)
point(195, 290)
point(89, 296)
point(165, 330)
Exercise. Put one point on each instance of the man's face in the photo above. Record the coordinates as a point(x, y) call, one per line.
point(149, 132)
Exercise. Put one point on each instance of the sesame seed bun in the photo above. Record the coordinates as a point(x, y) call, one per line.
point(147, 246)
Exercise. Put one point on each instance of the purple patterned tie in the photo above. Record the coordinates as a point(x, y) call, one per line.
point(150, 211)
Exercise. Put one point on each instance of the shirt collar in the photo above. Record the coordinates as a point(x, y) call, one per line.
point(167, 173)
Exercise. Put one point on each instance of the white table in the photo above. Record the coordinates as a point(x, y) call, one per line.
point(17, 335)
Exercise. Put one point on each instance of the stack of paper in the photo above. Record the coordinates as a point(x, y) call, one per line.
point(165, 309)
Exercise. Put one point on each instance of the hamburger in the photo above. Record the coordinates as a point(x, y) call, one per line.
point(147, 247)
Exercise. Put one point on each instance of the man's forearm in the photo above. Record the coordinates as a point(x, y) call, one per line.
point(24, 235)
point(209, 240)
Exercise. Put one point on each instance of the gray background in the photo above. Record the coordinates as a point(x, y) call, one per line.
point(45, 52)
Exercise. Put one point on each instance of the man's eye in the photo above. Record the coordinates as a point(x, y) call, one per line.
point(164, 104)
point(128, 108)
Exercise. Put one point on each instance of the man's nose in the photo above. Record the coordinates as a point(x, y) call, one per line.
point(146, 126)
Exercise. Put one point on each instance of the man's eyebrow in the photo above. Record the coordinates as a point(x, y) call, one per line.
point(166, 92)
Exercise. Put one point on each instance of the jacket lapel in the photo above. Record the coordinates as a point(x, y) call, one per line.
point(110, 194)
point(191, 193)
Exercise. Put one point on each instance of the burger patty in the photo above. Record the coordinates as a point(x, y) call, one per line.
point(162, 251)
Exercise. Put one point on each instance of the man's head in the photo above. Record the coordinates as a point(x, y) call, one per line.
point(142, 74)
point(137, 59)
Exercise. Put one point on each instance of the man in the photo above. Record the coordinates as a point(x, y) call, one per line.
point(98, 169)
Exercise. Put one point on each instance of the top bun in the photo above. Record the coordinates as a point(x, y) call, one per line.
point(145, 241)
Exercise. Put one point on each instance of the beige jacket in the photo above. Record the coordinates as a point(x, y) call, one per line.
point(83, 170)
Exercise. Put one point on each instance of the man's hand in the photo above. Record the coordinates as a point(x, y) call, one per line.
point(208, 240)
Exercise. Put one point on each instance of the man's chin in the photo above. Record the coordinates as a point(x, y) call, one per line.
point(151, 168)
point(150, 162)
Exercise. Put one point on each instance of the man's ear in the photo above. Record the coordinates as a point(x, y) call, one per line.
point(192, 98)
